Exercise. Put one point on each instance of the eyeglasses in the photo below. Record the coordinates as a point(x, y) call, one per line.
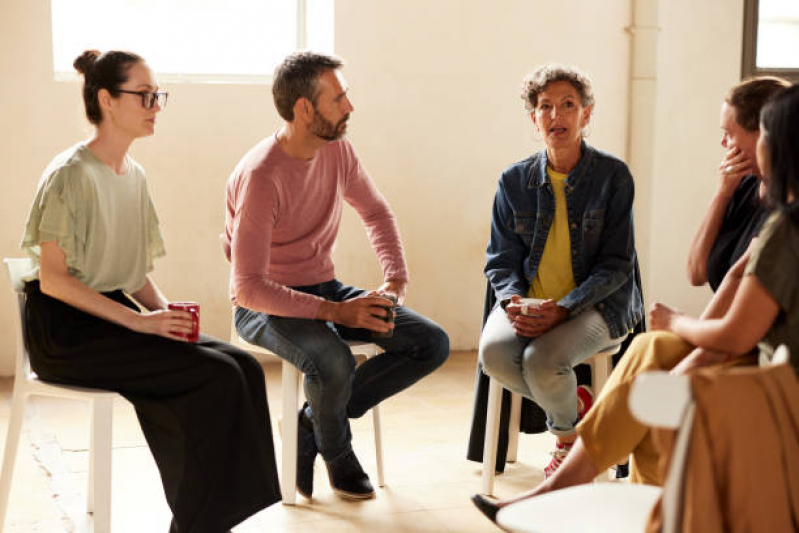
point(148, 100)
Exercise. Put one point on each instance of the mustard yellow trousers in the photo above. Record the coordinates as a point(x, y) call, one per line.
point(609, 432)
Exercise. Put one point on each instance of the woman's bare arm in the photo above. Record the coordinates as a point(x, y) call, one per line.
point(56, 281)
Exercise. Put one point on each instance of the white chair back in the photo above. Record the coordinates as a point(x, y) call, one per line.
point(782, 355)
point(16, 268)
point(659, 399)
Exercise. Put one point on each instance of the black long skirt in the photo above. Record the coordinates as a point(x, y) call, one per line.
point(202, 407)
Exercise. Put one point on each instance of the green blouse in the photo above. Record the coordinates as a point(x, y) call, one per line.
point(104, 222)
point(775, 263)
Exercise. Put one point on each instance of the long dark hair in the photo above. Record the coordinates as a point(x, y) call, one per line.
point(779, 124)
point(102, 71)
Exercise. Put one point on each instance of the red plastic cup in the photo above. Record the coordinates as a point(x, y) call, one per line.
point(194, 309)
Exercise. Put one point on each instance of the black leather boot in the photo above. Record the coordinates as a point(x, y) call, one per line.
point(348, 478)
point(306, 454)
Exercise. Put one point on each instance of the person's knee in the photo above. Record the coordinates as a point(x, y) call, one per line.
point(250, 365)
point(496, 360)
point(544, 370)
point(226, 374)
point(656, 350)
point(437, 346)
point(427, 345)
point(335, 368)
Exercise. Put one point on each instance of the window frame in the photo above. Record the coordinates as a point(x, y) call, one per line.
point(749, 66)
point(213, 78)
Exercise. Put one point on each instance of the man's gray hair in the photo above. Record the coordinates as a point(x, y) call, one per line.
point(297, 77)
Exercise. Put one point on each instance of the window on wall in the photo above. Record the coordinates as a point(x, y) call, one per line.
point(771, 38)
point(193, 40)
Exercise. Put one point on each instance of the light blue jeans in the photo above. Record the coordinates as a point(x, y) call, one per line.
point(541, 369)
point(335, 389)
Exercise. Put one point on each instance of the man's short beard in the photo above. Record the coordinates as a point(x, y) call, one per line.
point(326, 130)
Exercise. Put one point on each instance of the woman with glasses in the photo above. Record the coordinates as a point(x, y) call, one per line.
point(93, 235)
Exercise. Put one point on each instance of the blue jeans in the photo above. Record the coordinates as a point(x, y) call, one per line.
point(542, 368)
point(335, 389)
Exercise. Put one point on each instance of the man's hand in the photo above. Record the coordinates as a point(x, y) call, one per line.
point(366, 312)
point(539, 320)
point(395, 287)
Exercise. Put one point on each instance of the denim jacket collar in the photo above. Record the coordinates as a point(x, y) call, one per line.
point(539, 176)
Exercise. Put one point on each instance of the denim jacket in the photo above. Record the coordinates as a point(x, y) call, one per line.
point(599, 202)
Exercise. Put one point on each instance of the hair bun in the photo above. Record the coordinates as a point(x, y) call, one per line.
point(84, 63)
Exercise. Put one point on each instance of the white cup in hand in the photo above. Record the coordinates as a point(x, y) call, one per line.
point(530, 305)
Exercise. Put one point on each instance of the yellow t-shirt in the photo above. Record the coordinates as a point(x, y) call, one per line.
point(555, 278)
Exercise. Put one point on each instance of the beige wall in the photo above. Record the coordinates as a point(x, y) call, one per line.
point(699, 57)
point(435, 87)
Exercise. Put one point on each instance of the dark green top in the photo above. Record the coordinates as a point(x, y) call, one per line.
point(775, 262)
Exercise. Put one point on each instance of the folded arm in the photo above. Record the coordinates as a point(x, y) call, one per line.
point(750, 316)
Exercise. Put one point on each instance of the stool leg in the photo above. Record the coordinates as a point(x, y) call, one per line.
point(601, 367)
point(378, 444)
point(290, 383)
point(12, 444)
point(491, 436)
point(513, 428)
point(365, 352)
point(98, 494)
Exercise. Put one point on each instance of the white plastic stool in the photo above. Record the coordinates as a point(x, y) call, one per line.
point(26, 383)
point(291, 395)
point(601, 366)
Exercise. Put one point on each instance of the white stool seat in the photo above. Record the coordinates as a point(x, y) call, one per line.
point(599, 508)
point(26, 383)
point(291, 394)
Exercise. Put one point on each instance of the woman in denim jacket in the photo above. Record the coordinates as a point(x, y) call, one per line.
point(562, 233)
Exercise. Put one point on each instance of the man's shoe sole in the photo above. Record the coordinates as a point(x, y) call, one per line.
point(353, 495)
point(349, 495)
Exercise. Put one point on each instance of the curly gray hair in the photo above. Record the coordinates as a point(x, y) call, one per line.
point(537, 81)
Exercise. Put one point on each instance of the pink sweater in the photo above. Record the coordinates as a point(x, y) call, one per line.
point(282, 220)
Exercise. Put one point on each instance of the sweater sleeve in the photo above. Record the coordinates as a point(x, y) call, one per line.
point(256, 209)
point(373, 209)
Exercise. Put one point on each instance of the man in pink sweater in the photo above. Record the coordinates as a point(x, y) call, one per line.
point(284, 203)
